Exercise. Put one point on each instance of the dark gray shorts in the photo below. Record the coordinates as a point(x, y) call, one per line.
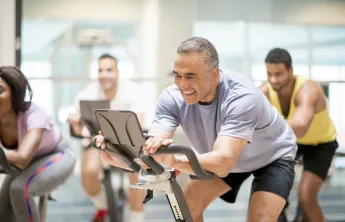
point(277, 177)
point(317, 159)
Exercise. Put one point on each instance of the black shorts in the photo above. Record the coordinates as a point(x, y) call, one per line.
point(317, 159)
point(277, 177)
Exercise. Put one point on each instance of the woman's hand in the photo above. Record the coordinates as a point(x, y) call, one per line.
point(100, 142)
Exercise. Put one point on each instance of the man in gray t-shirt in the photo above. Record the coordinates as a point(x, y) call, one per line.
point(238, 110)
point(232, 126)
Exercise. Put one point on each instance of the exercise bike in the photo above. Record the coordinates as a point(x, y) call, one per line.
point(6, 168)
point(116, 199)
point(125, 139)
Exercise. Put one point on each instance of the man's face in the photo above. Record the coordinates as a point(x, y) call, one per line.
point(107, 73)
point(194, 78)
point(278, 75)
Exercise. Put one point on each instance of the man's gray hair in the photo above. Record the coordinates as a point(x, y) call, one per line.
point(200, 45)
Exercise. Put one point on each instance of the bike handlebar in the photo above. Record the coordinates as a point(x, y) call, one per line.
point(200, 173)
point(119, 152)
point(5, 167)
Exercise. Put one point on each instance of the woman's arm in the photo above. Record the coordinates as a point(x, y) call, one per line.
point(21, 158)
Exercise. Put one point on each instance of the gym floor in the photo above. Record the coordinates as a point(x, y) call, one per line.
point(73, 205)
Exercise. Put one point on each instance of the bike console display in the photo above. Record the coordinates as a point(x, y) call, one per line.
point(87, 113)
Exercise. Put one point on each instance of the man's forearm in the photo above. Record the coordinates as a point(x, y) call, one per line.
point(297, 128)
point(182, 164)
point(212, 162)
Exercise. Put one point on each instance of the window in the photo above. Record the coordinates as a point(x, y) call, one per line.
point(258, 71)
point(342, 73)
point(149, 93)
point(328, 53)
point(36, 69)
point(58, 66)
point(126, 70)
point(43, 94)
point(337, 109)
point(326, 72)
point(123, 53)
point(264, 37)
point(229, 39)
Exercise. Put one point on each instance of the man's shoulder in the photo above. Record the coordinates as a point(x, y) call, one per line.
point(308, 82)
point(172, 91)
point(234, 84)
point(236, 80)
point(238, 94)
point(89, 92)
point(171, 97)
point(307, 85)
point(265, 89)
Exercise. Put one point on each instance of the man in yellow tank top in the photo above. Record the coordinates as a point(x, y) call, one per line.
point(303, 104)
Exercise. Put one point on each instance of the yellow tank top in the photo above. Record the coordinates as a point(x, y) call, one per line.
point(321, 130)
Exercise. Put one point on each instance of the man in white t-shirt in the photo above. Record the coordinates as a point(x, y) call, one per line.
point(123, 95)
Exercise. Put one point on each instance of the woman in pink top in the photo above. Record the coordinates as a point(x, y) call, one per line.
point(32, 143)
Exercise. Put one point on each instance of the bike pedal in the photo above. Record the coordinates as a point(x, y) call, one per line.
point(149, 196)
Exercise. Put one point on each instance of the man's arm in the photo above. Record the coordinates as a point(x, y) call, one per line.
point(88, 93)
point(220, 161)
point(236, 131)
point(265, 90)
point(305, 102)
point(160, 133)
point(74, 121)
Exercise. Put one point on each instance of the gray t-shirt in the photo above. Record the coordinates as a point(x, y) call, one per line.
point(239, 110)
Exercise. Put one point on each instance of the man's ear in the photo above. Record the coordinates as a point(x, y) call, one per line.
point(215, 73)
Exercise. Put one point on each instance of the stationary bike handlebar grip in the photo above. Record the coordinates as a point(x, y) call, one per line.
point(5, 167)
point(148, 160)
point(118, 153)
point(200, 173)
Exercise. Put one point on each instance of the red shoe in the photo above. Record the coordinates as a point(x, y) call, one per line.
point(100, 216)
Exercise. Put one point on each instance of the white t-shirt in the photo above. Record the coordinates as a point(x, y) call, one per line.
point(128, 96)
